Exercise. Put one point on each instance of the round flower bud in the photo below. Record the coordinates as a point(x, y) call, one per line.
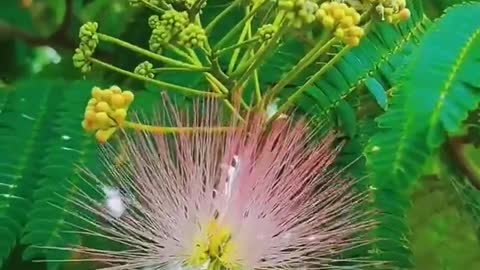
point(118, 100)
point(128, 96)
point(81, 59)
point(153, 21)
point(192, 36)
point(266, 32)
point(160, 36)
point(102, 106)
point(145, 69)
point(174, 21)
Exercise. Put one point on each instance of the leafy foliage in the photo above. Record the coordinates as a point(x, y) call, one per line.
point(431, 101)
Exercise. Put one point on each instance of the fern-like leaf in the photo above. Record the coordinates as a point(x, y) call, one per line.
point(382, 51)
point(24, 125)
point(52, 214)
point(433, 98)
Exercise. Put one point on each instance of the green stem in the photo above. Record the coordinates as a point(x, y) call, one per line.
point(158, 70)
point(150, 54)
point(239, 25)
point(321, 47)
point(220, 16)
point(244, 70)
point(173, 130)
point(290, 101)
point(154, 7)
point(178, 88)
point(238, 45)
point(236, 53)
point(180, 52)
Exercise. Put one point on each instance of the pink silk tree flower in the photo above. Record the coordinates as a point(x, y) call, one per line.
point(252, 197)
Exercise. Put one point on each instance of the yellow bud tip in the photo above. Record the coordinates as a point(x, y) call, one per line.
point(353, 41)
point(115, 89)
point(118, 100)
point(346, 21)
point(338, 14)
point(102, 118)
point(340, 33)
point(89, 115)
point(128, 96)
point(106, 94)
point(328, 22)
point(404, 14)
point(119, 115)
point(103, 135)
point(102, 106)
point(92, 101)
point(96, 93)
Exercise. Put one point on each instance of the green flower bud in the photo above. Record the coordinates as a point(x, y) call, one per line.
point(145, 69)
point(160, 36)
point(81, 59)
point(299, 12)
point(174, 21)
point(153, 21)
point(88, 35)
point(266, 32)
point(192, 36)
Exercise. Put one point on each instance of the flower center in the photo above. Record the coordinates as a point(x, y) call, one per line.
point(216, 250)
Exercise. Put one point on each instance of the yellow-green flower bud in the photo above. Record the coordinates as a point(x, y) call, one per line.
point(174, 21)
point(153, 21)
point(160, 36)
point(192, 36)
point(266, 32)
point(145, 69)
point(81, 59)
point(88, 35)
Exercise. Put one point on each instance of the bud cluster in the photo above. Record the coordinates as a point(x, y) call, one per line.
point(343, 19)
point(145, 69)
point(174, 24)
point(88, 43)
point(192, 36)
point(106, 110)
point(299, 12)
point(266, 32)
point(393, 11)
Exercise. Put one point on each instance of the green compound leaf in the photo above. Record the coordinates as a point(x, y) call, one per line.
point(52, 213)
point(382, 52)
point(435, 95)
point(24, 129)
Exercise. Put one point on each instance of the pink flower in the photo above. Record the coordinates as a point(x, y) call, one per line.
point(249, 198)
